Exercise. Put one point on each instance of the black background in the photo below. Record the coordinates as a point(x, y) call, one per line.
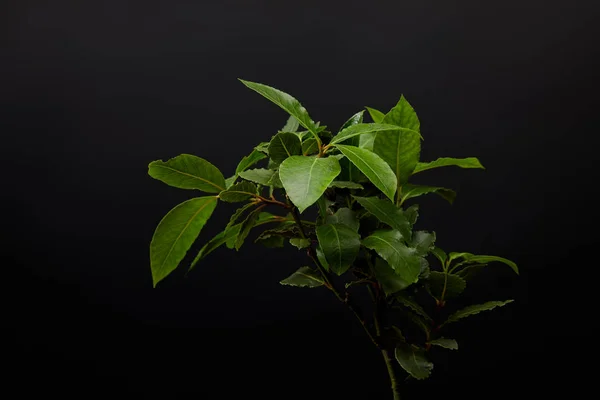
point(92, 91)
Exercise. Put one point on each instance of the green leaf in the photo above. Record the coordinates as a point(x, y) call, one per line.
point(321, 258)
point(409, 191)
point(228, 234)
point(346, 185)
point(365, 141)
point(454, 255)
point(475, 309)
point(286, 102)
point(412, 214)
point(270, 241)
point(249, 223)
point(340, 246)
point(265, 177)
point(376, 115)
point(263, 147)
point(359, 129)
point(413, 360)
point(403, 115)
point(470, 271)
point(238, 213)
point(445, 343)
point(350, 172)
point(440, 254)
point(241, 191)
point(287, 229)
point(404, 260)
point(423, 242)
point(388, 213)
point(250, 160)
point(390, 281)
point(374, 168)
point(412, 304)
point(470, 162)
point(284, 145)
point(310, 146)
point(445, 286)
point(175, 234)
point(230, 181)
point(291, 125)
point(353, 120)
point(304, 277)
point(483, 259)
point(344, 216)
point(300, 243)
point(188, 172)
point(400, 148)
point(305, 179)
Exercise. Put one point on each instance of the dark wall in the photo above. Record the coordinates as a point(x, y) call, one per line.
point(91, 92)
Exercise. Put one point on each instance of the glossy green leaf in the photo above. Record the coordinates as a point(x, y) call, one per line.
point(344, 216)
point(376, 115)
point(404, 260)
point(286, 102)
point(304, 277)
point(413, 360)
point(321, 258)
point(188, 172)
point(291, 125)
point(484, 259)
point(423, 242)
point(230, 181)
point(345, 185)
point(374, 168)
point(229, 233)
point(412, 214)
point(249, 223)
point(175, 234)
point(359, 129)
point(389, 280)
point(408, 191)
point(340, 245)
point(300, 243)
point(445, 343)
point(284, 145)
point(238, 213)
point(475, 309)
point(445, 286)
point(353, 120)
point(350, 172)
point(403, 115)
point(469, 162)
point(249, 161)
point(241, 191)
point(265, 177)
point(305, 179)
point(387, 213)
point(309, 147)
point(400, 148)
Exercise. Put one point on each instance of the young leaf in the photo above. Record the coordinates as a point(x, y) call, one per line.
point(230, 181)
point(376, 115)
point(239, 192)
point(345, 185)
point(388, 213)
point(229, 233)
point(340, 246)
point(306, 178)
point(353, 120)
point(412, 214)
point(263, 147)
point(445, 343)
point(249, 161)
point(470, 271)
point(300, 243)
point(440, 254)
point(404, 260)
point(350, 172)
point(270, 241)
point(175, 234)
point(390, 281)
point(344, 216)
point(413, 360)
point(286, 102)
point(411, 304)
point(483, 259)
point(310, 146)
point(360, 129)
point(423, 242)
point(321, 258)
point(246, 227)
point(401, 149)
point(304, 277)
point(374, 168)
point(470, 162)
point(408, 191)
point(291, 125)
point(265, 177)
point(475, 309)
point(284, 145)
point(403, 115)
point(444, 286)
point(188, 172)
point(238, 213)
